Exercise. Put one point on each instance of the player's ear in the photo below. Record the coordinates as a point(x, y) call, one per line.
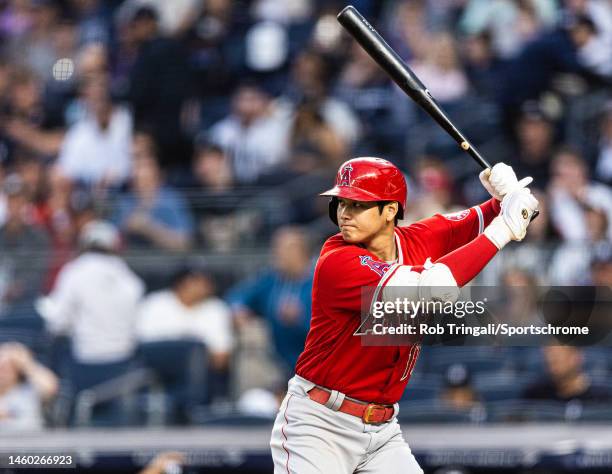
point(391, 211)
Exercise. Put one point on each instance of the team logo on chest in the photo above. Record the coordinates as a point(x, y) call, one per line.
point(379, 268)
point(345, 177)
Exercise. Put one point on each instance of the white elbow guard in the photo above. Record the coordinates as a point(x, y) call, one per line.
point(434, 283)
point(437, 283)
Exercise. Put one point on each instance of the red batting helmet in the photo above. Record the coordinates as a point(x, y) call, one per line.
point(368, 179)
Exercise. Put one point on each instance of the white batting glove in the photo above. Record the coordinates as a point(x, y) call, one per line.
point(501, 180)
point(517, 207)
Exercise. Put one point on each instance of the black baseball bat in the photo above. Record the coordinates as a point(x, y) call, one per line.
point(402, 75)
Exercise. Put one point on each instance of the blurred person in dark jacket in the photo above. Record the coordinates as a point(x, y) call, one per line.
point(566, 379)
point(281, 294)
point(159, 84)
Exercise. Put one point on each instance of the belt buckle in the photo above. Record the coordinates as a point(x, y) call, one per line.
point(370, 410)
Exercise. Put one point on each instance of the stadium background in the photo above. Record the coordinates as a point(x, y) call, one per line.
point(203, 130)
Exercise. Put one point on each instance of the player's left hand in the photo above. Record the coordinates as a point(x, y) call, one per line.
point(501, 180)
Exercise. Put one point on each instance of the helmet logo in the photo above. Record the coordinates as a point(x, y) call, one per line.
point(345, 177)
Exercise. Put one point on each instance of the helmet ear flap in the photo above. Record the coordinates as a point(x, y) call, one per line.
point(333, 210)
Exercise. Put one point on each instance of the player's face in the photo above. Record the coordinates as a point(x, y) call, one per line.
point(359, 221)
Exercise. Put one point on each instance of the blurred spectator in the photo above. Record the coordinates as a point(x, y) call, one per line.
point(174, 18)
point(215, 41)
point(571, 261)
point(511, 23)
point(310, 130)
point(433, 192)
point(24, 250)
point(604, 160)
point(93, 18)
point(441, 70)
point(222, 220)
point(531, 73)
point(26, 123)
point(309, 83)
point(458, 392)
point(95, 300)
point(255, 135)
point(366, 88)
point(96, 149)
point(483, 67)
point(571, 193)
point(567, 379)
point(189, 310)
point(536, 138)
point(36, 49)
point(158, 103)
point(520, 300)
point(281, 294)
point(25, 386)
point(152, 213)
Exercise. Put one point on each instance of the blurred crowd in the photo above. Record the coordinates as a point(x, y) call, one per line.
point(146, 132)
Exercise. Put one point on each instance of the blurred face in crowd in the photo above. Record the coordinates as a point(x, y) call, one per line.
point(535, 136)
point(143, 28)
point(568, 170)
point(478, 49)
point(194, 288)
point(249, 104)
point(562, 362)
point(212, 168)
point(290, 252)
point(443, 53)
point(9, 374)
point(361, 222)
point(93, 60)
point(309, 73)
point(25, 92)
point(146, 175)
point(16, 205)
point(96, 93)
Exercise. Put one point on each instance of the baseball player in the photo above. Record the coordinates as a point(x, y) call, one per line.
point(339, 414)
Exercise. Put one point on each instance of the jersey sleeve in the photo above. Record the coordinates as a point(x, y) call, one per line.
point(447, 232)
point(342, 276)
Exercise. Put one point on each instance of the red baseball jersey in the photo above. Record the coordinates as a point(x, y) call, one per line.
point(336, 359)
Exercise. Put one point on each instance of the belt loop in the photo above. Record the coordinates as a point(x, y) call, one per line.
point(335, 400)
point(395, 409)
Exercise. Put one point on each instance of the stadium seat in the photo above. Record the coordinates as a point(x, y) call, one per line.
point(181, 368)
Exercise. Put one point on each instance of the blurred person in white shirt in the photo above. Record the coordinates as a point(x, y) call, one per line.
point(25, 385)
point(95, 299)
point(97, 149)
point(189, 310)
point(255, 135)
point(571, 192)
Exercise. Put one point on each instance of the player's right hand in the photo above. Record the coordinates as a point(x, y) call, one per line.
point(501, 180)
point(517, 207)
